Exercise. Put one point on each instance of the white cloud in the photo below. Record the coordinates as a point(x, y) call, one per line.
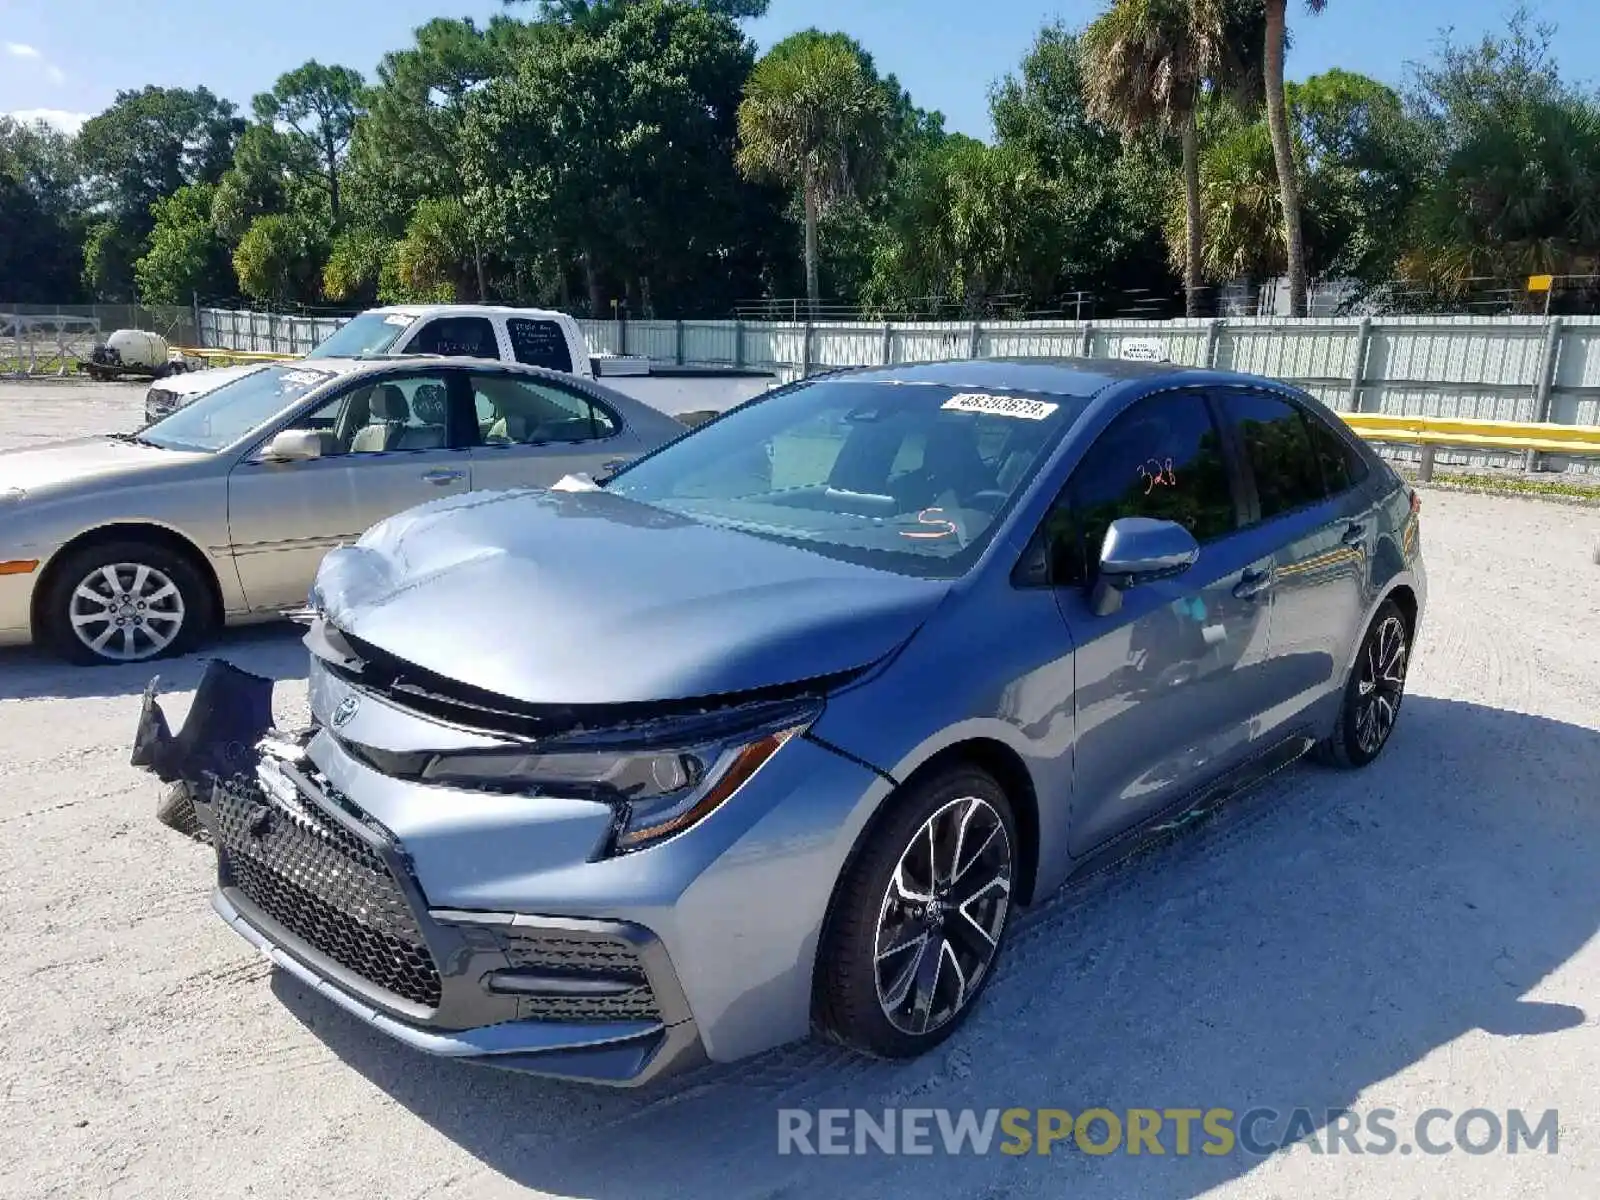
point(22, 50)
point(67, 122)
point(55, 74)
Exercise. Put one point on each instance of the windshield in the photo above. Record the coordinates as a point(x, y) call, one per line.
point(912, 478)
point(235, 410)
point(369, 333)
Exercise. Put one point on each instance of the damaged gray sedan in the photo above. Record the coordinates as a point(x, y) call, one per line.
point(774, 731)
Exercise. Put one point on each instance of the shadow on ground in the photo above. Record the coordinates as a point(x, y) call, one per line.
point(1298, 951)
point(273, 650)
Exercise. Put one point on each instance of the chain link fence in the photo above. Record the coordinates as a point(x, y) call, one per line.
point(52, 339)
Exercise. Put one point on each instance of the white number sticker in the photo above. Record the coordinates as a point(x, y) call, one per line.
point(1000, 406)
point(303, 378)
point(398, 319)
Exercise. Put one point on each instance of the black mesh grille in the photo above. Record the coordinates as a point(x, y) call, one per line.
point(579, 956)
point(326, 886)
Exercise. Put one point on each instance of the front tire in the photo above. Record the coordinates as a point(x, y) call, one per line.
point(125, 602)
point(1372, 697)
point(920, 917)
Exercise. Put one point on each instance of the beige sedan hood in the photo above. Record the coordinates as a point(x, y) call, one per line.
point(83, 460)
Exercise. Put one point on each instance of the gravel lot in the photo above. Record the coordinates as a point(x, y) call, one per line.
point(1416, 936)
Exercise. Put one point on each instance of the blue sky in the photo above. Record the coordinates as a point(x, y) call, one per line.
point(69, 57)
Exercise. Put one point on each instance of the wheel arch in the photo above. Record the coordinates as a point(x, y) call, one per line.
point(127, 531)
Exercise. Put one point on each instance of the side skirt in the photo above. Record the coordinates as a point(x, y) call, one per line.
point(1188, 810)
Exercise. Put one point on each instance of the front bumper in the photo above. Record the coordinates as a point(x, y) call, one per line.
point(638, 965)
point(328, 894)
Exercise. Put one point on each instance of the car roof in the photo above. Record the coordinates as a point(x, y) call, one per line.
point(1082, 377)
point(433, 310)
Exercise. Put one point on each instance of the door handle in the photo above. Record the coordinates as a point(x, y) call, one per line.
point(1355, 534)
point(440, 477)
point(1253, 584)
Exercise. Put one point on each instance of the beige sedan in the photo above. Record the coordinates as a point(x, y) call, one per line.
point(125, 547)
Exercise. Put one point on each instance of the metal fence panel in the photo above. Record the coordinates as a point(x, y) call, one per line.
point(1501, 368)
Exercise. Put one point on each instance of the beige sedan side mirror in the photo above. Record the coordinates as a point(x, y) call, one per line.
point(293, 445)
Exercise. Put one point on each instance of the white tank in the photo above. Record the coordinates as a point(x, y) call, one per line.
point(138, 347)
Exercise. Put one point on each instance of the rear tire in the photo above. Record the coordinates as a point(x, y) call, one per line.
point(159, 597)
point(1373, 694)
point(919, 918)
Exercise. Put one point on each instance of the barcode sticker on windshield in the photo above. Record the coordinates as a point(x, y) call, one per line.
point(1000, 406)
point(303, 378)
point(399, 319)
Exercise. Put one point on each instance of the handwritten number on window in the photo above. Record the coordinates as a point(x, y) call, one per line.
point(1157, 472)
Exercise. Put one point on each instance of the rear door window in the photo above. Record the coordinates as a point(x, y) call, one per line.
point(514, 411)
point(540, 343)
point(1277, 446)
point(455, 337)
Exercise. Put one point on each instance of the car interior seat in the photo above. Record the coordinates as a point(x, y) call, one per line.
point(428, 404)
point(390, 412)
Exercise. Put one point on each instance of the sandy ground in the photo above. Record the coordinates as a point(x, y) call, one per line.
point(1419, 935)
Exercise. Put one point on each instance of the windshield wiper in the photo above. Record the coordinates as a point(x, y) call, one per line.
point(135, 439)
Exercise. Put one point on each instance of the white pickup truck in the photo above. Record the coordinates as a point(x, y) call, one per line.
point(535, 336)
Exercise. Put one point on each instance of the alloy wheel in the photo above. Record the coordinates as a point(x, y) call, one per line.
point(126, 612)
point(1380, 685)
point(943, 915)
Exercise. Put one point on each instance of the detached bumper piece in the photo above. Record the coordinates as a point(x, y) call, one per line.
point(329, 894)
point(232, 711)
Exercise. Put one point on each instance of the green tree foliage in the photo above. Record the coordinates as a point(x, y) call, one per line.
point(589, 153)
point(1115, 193)
point(279, 259)
point(186, 257)
point(592, 14)
point(815, 119)
point(142, 149)
point(1274, 39)
point(262, 180)
point(1148, 66)
point(1513, 185)
point(320, 105)
point(41, 228)
point(1364, 159)
point(613, 150)
point(976, 221)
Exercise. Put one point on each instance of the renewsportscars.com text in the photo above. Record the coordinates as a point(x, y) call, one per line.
point(1215, 1132)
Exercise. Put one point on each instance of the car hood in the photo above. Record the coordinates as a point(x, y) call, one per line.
point(195, 383)
point(84, 460)
point(590, 598)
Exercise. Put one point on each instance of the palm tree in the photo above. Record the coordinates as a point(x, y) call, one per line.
point(1283, 148)
point(1147, 63)
point(813, 116)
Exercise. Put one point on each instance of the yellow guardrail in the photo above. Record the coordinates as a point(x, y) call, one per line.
point(1430, 433)
point(234, 355)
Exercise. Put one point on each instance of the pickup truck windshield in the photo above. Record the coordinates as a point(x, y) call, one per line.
point(369, 333)
point(910, 478)
point(235, 410)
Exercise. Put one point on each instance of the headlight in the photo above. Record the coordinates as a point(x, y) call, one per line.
point(657, 790)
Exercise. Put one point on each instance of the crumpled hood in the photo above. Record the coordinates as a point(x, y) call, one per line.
point(589, 598)
point(83, 460)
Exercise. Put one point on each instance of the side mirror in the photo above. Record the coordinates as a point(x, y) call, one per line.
point(293, 445)
point(1137, 551)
